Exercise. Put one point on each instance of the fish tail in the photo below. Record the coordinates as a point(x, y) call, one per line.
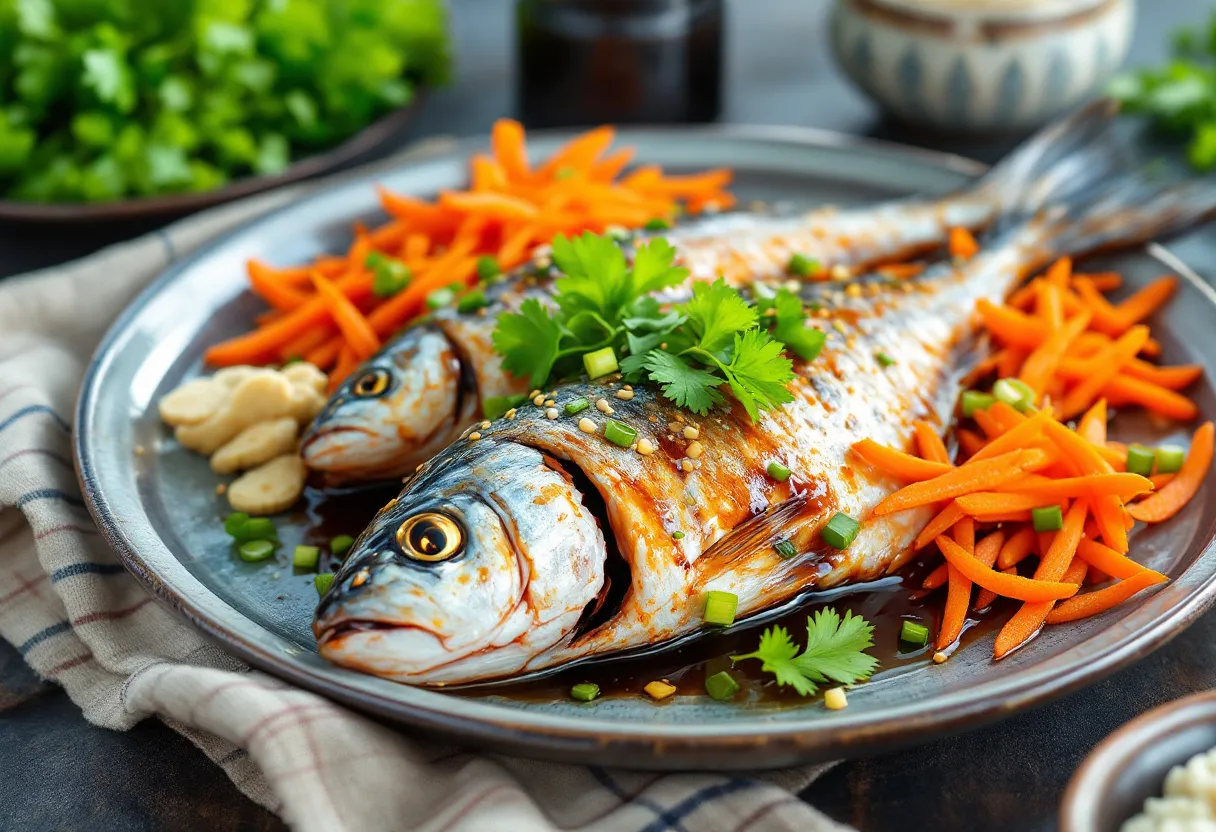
point(1061, 164)
point(1078, 182)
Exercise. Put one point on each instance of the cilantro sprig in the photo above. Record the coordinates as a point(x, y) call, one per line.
point(834, 651)
point(692, 351)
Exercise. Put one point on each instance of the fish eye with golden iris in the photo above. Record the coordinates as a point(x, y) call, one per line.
point(633, 451)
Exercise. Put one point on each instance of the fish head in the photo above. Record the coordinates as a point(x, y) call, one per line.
point(395, 411)
point(486, 559)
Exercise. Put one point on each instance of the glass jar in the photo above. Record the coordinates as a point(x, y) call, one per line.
point(586, 62)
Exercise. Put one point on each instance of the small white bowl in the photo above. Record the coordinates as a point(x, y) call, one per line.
point(980, 65)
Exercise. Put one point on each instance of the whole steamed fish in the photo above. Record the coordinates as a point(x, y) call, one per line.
point(414, 396)
point(534, 542)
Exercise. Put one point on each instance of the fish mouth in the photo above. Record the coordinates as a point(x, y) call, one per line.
point(349, 626)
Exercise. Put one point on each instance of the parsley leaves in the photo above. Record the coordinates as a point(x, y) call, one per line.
point(834, 650)
point(691, 351)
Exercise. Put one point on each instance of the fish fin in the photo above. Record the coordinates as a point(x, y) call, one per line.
point(795, 520)
point(1062, 163)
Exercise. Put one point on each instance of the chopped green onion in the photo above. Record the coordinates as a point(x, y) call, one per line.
point(657, 224)
point(619, 433)
point(1139, 460)
point(1015, 393)
point(496, 406)
point(785, 549)
point(601, 362)
point(440, 298)
point(840, 531)
point(912, 633)
point(235, 523)
point(677, 535)
point(340, 545)
point(802, 266)
point(488, 268)
point(256, 550)
point(721, 685)
point(974, 400)
point(1170, 459)
point(576, 406)
point(778, 471)
point(471, 302)
point(305, 557)
point(391, 276)
point(883, 359)
point(809, 349)
point(585, 691)
point(323, 582)
point(260, 528)
point(374, 260)
point(1047, 519)
point(720, 607)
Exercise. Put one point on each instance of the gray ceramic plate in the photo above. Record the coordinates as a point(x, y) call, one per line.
point(160, 512)
point(1131, 764)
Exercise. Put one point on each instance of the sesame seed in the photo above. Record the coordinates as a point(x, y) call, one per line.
point(838, 326)
point(485, 425)
point(673, 427)
point(687, 465)
point(694, 450)
point(692, 433)
point(939, 657)
point(853, 290)
point(629, 387)
point(510, 414)
point(603, 407)
point(551, 413)
point(474, 436)
point(533, 394)
point(538, 400)
point(221, 489)
point(625, 395)
point(550, 402)
point(586, 425)
point(679, 418)
point(840, 272)
point(645, 447)
point(653, 419)
point(822, 313)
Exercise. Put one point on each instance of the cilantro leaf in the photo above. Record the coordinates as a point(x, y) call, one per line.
point(652, 269)
point(596, 274)
point(835, 650)
point(759, 372)
point(684, 384)
point(791, 329)
point(528, 341)
point(715, 313)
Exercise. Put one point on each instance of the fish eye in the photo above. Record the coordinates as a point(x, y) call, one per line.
point(430, 537)
point(372, 383)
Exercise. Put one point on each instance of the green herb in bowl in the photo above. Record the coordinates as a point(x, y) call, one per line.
point(105, 101)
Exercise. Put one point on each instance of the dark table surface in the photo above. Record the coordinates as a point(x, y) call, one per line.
point(62, 773)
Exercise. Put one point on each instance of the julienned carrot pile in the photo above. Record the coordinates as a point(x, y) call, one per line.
point(1063, 342)
point(336, 311)
point(1034, 491)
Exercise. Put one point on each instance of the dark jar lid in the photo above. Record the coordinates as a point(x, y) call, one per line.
point(585, 62)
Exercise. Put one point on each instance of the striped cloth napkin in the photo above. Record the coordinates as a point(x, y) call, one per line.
point(79, 619)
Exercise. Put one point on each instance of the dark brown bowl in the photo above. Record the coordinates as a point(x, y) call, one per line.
point(1131, 764)
point(368, 140)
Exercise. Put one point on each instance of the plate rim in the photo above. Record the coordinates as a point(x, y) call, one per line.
point(652, 745)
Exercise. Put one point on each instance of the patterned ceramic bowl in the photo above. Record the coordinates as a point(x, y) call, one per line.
point(981, 65)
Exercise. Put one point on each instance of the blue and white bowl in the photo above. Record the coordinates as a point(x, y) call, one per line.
point(980, 65)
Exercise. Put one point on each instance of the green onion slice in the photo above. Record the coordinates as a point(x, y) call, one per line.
point(1170, 459)
point(840, 531)
point(576, 406)
point(883, 359)
point(1047, 519)
point(974, 400)
point(601, 362)
point(488, 268)
point(1015, 393)
point(619, 433)
point(235, 524)
point(323, 582)
point(472, 301)
point(440, 298)
point(260, 528)
point(256, 550)
point(720, 607)
point(340, 545)
point(585, 691)
point(305, 557)
point(657, 224)
point(721, 686)
point(778, 471)
point(912, 633)
point(802, 266)
point(785, 548)
point(1140, 460)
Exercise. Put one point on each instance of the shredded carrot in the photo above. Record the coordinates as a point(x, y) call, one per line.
point(1146, 301)
point(347, 362)
point(1007, 586)
point(1124, 389)
point(509, 208)
point(974, 476)
point(1103, 367)
point(943, 522)
point(1160, 481)
point(986, 552)
point(963, 244)
point(1019, 545)
point(1107, 559)
point(1047, 489)
point(1092, 425)
point(958, 594)
point(1014, 438)
point(1040, 366)
point(900, 271)
point(1167, 502)
point(937, 577)
point(929, 443)
point(970, 441)
point(1101, 600)
point(350, 321)
point(898, 464)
